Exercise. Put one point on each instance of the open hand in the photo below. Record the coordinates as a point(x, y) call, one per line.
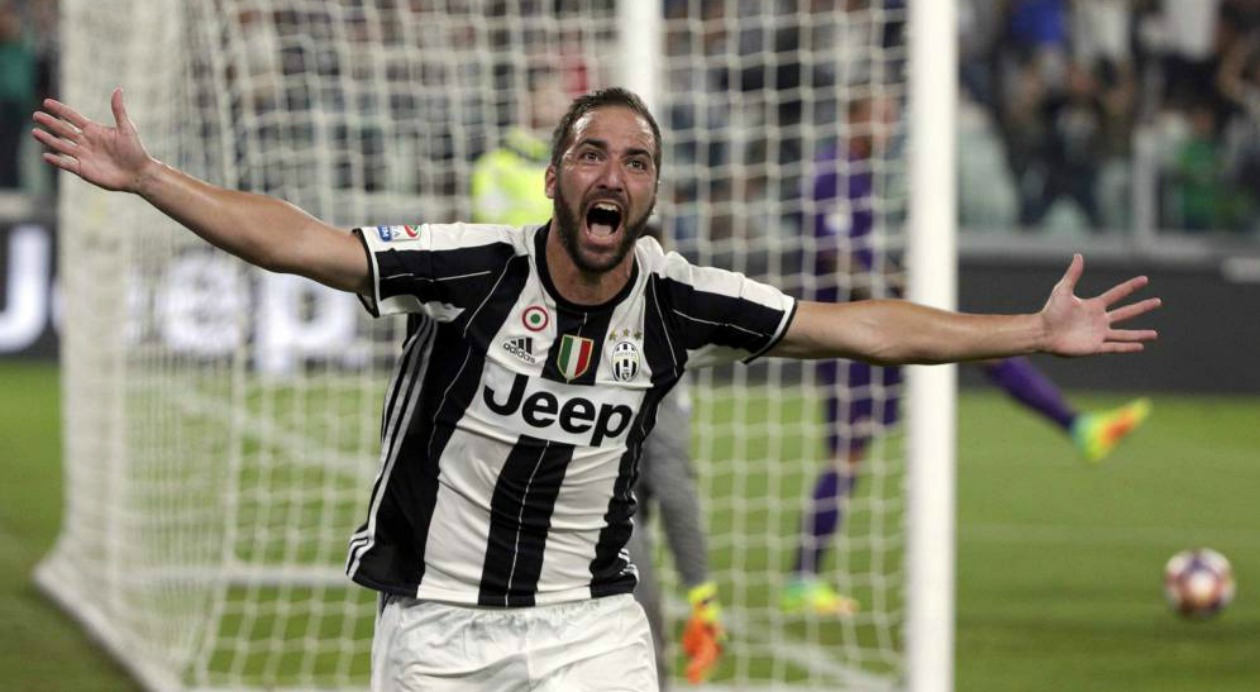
point(109, 157)
point(1083, 326)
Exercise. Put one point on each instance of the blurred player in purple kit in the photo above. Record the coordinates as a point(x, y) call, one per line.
point(862, 399)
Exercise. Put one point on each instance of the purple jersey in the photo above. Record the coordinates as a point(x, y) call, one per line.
point(859, 398)
point(842, 219)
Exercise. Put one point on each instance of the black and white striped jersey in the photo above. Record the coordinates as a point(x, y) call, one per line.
point(512, 428)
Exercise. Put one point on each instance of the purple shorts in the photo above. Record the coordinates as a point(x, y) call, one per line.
point(862, 400)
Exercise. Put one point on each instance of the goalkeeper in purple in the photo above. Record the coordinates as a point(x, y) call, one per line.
point(862, 399)
point(510, 439)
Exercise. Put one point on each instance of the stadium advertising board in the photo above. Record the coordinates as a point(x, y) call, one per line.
point(204, 305)
point(28, 302)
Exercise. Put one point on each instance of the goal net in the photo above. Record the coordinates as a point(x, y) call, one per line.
point(222, 424)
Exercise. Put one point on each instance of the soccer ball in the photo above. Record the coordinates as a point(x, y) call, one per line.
point(1198, 583)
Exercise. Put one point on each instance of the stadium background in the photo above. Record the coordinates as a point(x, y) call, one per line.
point(1058, 564)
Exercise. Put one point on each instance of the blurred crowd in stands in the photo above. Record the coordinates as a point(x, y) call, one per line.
point(1089, 115)
point(1096, 102)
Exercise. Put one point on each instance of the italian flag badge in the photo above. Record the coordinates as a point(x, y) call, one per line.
point(574, 356)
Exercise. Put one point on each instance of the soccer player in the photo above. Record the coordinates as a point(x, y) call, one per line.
point(508, 187)
point(511, 431)
point(862, 399)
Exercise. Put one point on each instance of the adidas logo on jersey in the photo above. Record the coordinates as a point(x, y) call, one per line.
point(521, 347)
point(576, 415)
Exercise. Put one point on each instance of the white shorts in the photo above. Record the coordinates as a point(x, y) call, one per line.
point(600, 644)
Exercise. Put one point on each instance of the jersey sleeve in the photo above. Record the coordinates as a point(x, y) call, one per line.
point(723, 316)
point(434, 269)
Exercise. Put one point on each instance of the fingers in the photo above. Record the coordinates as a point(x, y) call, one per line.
point(120, 111)
point(1073, 273)
point(1122, 347)
point(66, 113)
point(1123, 290)
point(61, 145)
point(1130, 311)
point(1131, 335)
point(57, 126)
point(65, 163)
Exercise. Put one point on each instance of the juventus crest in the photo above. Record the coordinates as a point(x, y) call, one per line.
point(625, 361)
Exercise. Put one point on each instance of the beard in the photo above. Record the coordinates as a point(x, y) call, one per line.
point(568, 225)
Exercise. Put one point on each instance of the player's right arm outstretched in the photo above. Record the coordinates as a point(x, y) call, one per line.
point(264, 231)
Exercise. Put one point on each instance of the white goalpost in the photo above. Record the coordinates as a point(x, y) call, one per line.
point(221, 425)
point(932, 254)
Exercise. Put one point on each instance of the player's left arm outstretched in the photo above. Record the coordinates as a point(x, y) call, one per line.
point(890, 332)
point(264, 231)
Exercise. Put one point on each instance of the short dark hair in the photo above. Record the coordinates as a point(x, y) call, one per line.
point(612, 96)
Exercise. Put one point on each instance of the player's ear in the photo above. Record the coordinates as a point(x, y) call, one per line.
point(550, 182)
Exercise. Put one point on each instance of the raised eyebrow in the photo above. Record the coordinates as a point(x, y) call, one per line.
point(639, 152)
point(592, 142)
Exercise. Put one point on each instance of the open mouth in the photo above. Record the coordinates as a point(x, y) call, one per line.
point(603, 219)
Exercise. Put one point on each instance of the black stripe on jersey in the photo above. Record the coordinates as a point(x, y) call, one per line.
point(419, 329)
point(711, 318)
point(663, 346)
point(449, 276)
point(393, 561)
point(774, 340)
point(609, 569)
point(665, 357)
point(520, 519)
point(397, 415)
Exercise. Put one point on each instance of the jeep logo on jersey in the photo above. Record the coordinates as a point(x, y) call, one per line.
point(575, 415)
point(522, 347)
point(574, 356)
point(625, 361)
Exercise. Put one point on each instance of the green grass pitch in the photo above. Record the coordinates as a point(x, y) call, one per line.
point(1059, 563)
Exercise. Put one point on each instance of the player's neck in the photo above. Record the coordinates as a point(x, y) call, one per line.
point(584, 287)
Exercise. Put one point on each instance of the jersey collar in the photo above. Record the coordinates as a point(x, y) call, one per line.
point(544, 275)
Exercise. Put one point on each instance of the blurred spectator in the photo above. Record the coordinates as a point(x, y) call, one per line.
point(44, 18)
point(1197, 194)
point(1101, 31)
point(17, 92)
point(1184, 34)
point(1022, 128)
point(980, 30)
point(1072, 153)
point(1037, 32)
point(1239, 82)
